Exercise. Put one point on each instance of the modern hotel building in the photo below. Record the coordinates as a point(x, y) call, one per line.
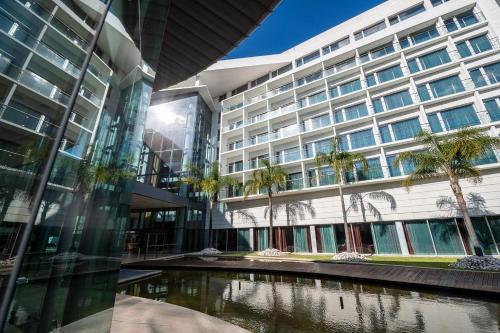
point(374, 81)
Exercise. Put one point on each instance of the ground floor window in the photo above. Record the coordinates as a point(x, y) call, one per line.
point(325, 239)
point(419, 238)
point(243, 239)
point(446, 237)
point(261, 239)
point(301, 239)
point(386, 238)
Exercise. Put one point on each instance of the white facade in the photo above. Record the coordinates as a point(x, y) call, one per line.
point(369, 74)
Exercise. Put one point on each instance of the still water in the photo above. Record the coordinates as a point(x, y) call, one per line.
point(289, 304)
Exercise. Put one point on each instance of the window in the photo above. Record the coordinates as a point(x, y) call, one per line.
point(259, 80)
point(438, 2)
point(434, 59)
point(356, 111)
point(346, 88)
point(259, 138)
point(374, 170)
point(316, 122)
point(335, 46)
point(294, 181)
point(235, 145)
point(235, 166)
point(256, 162)
point(406, 129)
point(453, 118)
point(377, 53)
point(308, 58)
point(390, 73)
point(493, 108)
point(239, 90)
point(393, 101)
point(399, 169)
point(351, 112)
point(485, 75)
point(401, 130)
point(407, 14)
point(370, 80)
point(419, 37)
point(474, 46)
point(394, 170)
point(460, 21)
point(369, 31)
point(281, 70)
point(349, 63)
point(385, 134)
point(309, 78)
point(440, 88)
point(288, 155)
point(413, 66)
point(362, 139)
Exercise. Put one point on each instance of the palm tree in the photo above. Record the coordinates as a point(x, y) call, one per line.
point(270, 178)
point(453, 157)
point(341, 162)
point(211, 184)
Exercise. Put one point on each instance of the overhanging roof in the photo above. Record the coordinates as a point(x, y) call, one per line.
point(200, 32)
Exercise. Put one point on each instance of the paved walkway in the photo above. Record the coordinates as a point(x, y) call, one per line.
point(459, 280)
point(136, 314)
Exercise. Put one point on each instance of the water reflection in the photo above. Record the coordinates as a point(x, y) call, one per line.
point(279, 303)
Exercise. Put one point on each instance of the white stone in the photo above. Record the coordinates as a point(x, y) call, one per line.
point(486, 263)
point(349, 256)
point(210, 251)
point(271, 253)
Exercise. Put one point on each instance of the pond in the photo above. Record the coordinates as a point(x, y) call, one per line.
point(264, 303)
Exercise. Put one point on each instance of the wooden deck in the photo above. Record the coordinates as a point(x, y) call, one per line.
point(487, 283)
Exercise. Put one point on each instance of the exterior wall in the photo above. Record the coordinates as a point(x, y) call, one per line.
point(308, 204)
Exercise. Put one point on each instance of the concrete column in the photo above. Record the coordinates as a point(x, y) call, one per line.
point(402, 238)
point(251, 239)
point(314, 243)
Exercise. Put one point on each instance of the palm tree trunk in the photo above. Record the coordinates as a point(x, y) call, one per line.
point(210, 220)
point(457, 190)
point(344, 217)
point(270, 198)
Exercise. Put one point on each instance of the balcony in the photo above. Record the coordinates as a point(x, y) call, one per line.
point(21, 35)
point(36, 123)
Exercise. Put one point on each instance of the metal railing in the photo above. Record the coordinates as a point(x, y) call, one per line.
point(411, 40)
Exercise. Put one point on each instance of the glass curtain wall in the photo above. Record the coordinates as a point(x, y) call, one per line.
point(68, 248)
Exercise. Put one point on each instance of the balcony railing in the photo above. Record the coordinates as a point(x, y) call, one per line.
point(36, 123)
point(405, 42)
point(20, 34)
point(56, 24)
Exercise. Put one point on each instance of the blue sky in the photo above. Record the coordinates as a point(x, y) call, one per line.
point(295, 21)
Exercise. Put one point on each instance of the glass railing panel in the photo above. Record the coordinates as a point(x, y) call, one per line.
point(80, 120)
point(57, 60)
point(85, 92)
point(15, 31)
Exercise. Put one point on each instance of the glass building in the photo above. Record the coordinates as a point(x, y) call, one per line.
point(76, 79)
point(177, 135)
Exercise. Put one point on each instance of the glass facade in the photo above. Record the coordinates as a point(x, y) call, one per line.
point(177, 136)
point(60, 81)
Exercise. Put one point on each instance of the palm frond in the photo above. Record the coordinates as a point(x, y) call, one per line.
point(374, 211)
point(383, 195)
